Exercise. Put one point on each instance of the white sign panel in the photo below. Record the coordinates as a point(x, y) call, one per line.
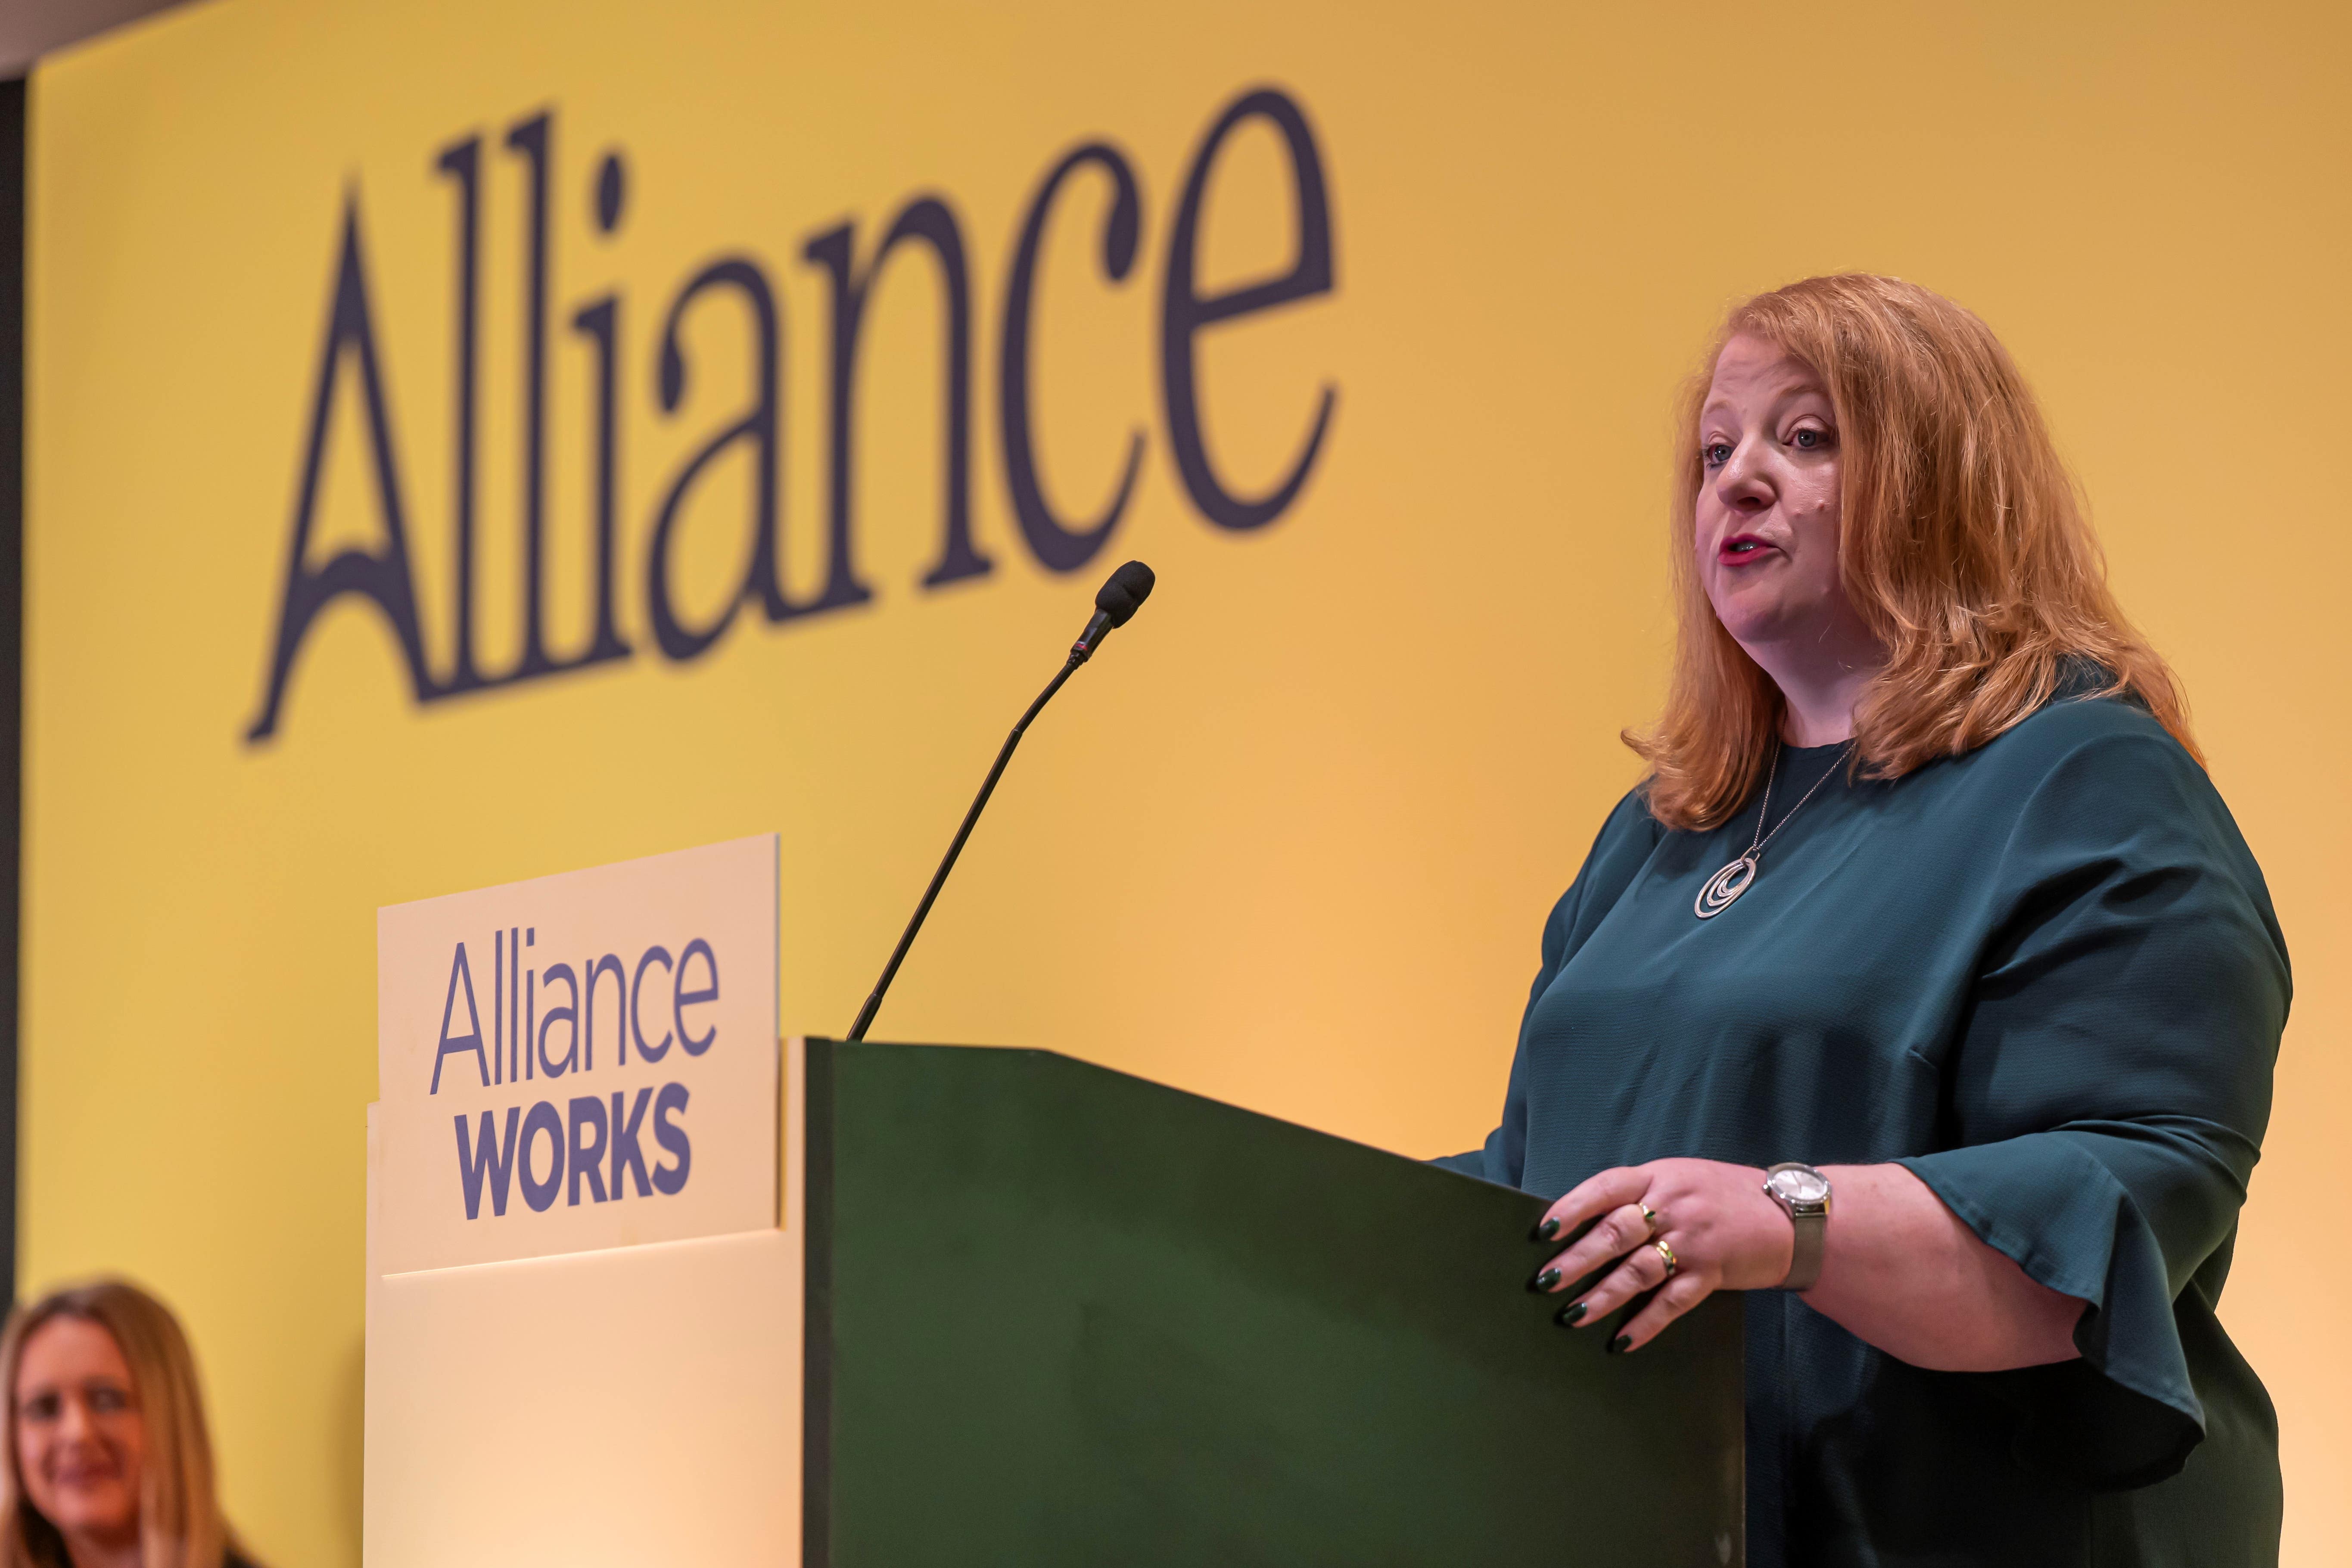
point(586, 1060)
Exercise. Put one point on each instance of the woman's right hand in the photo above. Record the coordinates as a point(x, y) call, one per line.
point(1713, 1219)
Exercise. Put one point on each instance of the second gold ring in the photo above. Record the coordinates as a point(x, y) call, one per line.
point(1668, 1254)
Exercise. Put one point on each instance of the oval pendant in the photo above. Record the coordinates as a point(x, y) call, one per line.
point(1723, 889)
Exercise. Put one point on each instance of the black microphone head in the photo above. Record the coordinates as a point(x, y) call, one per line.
point(1125, 592)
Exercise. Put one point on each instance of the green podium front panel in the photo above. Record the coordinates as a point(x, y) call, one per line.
point(1059, 1315)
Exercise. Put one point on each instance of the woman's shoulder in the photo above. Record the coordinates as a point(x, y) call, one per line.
point(2107, 738)
point(1618, 853)
point(1628, 835)
point(1630, 820)
point(2099, 775)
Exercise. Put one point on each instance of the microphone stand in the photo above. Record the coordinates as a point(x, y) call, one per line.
point(1078, 656)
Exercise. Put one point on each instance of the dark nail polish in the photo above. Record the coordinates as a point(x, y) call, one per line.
point(1620, 1344)
point(1547, 1230)
point(1573, 1315)
point(1544, 1280)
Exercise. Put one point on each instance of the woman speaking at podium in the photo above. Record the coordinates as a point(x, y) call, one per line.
point(1925, 988)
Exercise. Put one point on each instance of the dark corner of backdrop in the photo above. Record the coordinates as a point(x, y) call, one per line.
point(11, 617)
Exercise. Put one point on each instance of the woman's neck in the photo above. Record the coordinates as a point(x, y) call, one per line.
point(1822, 681)
point(1817, 718)
point(110, 1551)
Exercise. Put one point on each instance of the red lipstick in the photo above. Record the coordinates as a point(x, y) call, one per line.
point(1744, 550)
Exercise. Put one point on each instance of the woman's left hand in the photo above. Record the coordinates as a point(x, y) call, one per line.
point(1715, 1219)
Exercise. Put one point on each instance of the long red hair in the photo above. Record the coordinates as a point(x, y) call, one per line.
point(1964, 546)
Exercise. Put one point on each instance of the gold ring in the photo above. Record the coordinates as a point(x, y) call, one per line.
point(1668, 1254)
point(1650, 1216)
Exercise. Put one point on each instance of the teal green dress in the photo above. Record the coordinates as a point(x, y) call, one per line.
point(2044, 976)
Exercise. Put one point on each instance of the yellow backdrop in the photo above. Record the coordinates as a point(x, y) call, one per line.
point(1290, 840)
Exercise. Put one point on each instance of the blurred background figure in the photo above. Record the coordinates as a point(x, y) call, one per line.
point(110, 1464)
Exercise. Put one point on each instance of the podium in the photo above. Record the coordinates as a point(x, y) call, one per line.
point(646, 1285)
point(1056, 1314)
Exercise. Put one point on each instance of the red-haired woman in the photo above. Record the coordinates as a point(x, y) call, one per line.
point(1925, 981)
point(109, 1462)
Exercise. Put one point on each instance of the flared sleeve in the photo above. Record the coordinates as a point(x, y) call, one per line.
point(2106, 1098)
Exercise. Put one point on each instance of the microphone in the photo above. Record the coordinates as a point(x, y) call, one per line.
point(1116, 603)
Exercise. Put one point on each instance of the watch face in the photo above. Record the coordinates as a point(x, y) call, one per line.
point(1801, 1186)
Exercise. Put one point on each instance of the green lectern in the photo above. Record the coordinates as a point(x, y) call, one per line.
point(1059, 1315)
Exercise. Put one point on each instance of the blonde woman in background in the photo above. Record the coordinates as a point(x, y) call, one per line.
point(109, 1461)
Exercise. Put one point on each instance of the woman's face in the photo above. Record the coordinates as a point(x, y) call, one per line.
point(80, 1438)
point(1767, 538)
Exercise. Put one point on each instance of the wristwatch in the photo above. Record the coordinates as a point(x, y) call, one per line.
point(1804, 1193)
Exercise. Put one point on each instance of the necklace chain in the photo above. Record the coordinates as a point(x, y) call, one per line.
point(1725, 886)
point(1756, 845)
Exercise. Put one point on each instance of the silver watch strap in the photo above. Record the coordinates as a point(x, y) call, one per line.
point(1812, 1241)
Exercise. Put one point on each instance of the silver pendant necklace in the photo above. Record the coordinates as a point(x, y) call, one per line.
point(1723, 889)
